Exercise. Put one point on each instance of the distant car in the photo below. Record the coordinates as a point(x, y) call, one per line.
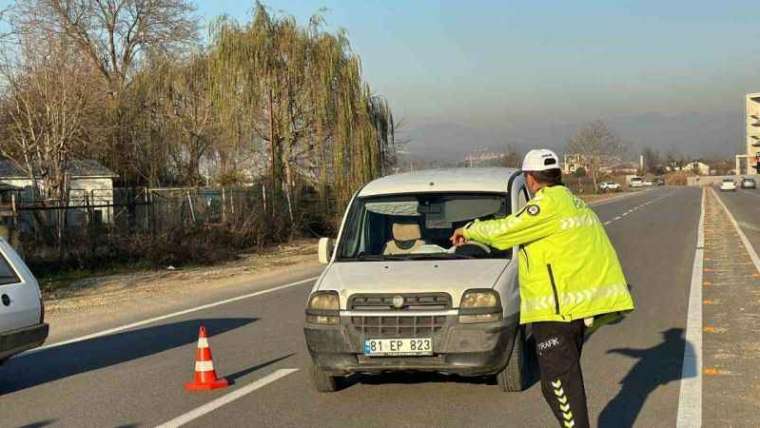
point(659, 181)
point(728, 185)
point(748, 183)
point(647, 183)
point(636, 182)
point(609, 186)
point(22, 314)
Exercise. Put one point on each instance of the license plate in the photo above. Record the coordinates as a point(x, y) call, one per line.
point(398, 347)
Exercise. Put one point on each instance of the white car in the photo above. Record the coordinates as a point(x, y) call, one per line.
point(22, 313)
point(647, 183)
point(636, 182)
point(728, 185)
point(397, 296)
point(609, 186)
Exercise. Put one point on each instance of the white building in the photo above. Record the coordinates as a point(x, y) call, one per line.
point(90, 183)
point(745, 163)
point(697, 167)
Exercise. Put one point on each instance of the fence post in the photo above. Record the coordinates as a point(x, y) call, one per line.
point(192, 210)
point(224, 206)
point(264, 196)
point(13, 209)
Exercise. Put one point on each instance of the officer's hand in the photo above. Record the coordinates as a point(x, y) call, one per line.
point(458, 237)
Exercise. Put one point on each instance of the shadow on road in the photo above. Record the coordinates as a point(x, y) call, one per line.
point(63, 361)
point(655, 367)
point(237, 375)
point(39, 424)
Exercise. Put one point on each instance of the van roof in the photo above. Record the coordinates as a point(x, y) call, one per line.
point(442, 180)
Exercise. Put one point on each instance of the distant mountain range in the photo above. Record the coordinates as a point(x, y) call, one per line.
point(693, 134)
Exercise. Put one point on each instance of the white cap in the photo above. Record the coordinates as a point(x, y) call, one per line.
point(540, 160)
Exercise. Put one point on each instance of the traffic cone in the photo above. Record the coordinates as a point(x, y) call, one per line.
point(205, 375)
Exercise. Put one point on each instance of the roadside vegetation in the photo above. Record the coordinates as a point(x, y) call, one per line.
point(274, 111)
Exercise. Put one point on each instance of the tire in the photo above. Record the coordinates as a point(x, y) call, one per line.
point(322, 381)
point(515, 376)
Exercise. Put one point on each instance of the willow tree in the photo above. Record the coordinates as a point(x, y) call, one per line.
point(306, 107)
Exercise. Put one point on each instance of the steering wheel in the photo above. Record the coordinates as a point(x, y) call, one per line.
point(473, 249)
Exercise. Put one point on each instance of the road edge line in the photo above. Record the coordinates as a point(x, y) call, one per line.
point(167, 316)
point(690, 394)
point(745, 241)
point(226, 399)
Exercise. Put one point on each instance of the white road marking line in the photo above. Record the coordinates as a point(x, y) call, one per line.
point(690, 395)
point(632, 210)
point(747, 245)
point(171, 315)
point(226, 399)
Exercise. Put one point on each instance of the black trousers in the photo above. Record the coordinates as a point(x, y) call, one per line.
point(558, 346)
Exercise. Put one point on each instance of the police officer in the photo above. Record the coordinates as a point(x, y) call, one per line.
point(569, 276)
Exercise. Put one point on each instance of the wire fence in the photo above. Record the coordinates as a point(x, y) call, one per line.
point(158, 226)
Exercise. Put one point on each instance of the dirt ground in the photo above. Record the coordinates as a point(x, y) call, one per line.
point(94, 292)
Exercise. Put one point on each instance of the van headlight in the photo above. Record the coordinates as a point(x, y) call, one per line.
point(323, 308)
point(480, 305)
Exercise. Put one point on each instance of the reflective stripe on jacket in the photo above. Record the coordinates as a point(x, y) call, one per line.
point(568, 268)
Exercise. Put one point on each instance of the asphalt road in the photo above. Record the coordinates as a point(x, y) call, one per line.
point(135, 377)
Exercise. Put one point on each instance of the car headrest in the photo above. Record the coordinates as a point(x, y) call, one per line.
point(406, 231)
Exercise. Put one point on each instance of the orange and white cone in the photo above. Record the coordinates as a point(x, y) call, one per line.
point(205, 375)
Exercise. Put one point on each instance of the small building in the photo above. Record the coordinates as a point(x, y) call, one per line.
point(574, 161)
point(697, 167)
point(90, 184)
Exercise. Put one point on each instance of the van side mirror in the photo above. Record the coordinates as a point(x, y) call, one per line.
point(325, 252)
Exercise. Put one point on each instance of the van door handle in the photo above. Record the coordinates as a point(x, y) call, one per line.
point(6, 300)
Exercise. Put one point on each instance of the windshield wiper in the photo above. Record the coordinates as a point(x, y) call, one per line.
point(419, 256)
point(366, 258)
point(440, 256)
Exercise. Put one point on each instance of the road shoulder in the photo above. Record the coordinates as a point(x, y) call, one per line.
point(731, 381)
point(90, 305)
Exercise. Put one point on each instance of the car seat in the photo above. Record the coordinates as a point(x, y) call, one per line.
point(406, 239)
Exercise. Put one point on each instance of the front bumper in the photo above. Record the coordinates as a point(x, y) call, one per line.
point(17, 341)
point(463, 349)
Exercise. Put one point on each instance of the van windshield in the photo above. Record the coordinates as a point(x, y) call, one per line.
point(414, 227)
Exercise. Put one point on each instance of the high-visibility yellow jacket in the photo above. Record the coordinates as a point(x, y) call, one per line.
point(568, 269)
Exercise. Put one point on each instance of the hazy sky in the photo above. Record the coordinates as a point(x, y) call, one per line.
point(473, 74)
point(532, 71)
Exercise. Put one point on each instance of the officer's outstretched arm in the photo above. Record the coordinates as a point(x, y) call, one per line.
point(537, 220)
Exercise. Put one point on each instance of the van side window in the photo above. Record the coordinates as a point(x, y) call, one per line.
point(7, 275)
point(522, 199)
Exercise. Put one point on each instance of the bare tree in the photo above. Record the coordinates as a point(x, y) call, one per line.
point(114, 34)
point(48, 96)
point(652, 160)
point(512, 157)
point(595, 142)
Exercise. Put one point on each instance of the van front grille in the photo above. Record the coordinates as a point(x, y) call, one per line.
point(412, 302)
point(398, 326)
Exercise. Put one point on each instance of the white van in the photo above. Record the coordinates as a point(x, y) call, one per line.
point(22, 313)
point(396, 296)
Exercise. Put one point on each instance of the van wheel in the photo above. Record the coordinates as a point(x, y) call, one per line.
point(514, 377)
point(322, 381)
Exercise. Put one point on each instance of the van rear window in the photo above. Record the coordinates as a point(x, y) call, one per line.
point(7, 275)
